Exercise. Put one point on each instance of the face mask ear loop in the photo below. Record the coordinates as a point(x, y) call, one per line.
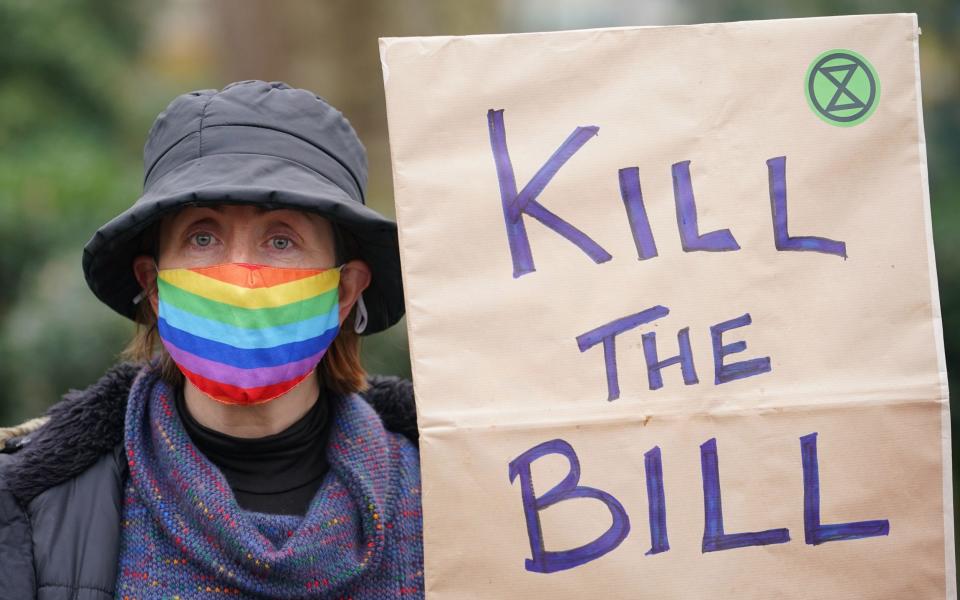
point(361, 323)
point(143, 293)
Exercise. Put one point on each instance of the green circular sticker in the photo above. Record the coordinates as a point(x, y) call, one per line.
point(842, 87)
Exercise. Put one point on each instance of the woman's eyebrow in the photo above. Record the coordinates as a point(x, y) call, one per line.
point(296, 223)
point(204, 221)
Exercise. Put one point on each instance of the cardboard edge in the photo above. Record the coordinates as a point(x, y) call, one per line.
point(384, 44)
point(945, 436)
point(443, 39)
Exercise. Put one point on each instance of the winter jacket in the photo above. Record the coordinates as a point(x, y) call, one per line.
point(61, 488)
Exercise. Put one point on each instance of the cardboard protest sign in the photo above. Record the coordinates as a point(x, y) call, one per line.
point(673, 313)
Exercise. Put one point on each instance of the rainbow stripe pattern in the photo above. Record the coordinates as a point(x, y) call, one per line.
point(245, 334)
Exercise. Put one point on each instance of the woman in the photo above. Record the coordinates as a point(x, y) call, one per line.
point(241, 452)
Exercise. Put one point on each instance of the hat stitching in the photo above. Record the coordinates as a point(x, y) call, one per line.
point(283, 158)
point(340, 162)
point(203, 113)
point(332, 155)
point(149, 172)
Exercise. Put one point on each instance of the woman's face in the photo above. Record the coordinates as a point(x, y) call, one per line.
point(202, 236)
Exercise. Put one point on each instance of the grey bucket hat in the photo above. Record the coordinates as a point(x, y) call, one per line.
point(252, 142)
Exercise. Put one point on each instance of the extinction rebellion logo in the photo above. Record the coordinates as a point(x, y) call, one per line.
point(842, 88)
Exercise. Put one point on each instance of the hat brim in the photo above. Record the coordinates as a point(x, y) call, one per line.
point(246, 178)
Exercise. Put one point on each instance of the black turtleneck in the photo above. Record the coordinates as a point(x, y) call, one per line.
point(277, 474)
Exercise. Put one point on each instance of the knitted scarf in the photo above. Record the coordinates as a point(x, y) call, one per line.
point(184, 535)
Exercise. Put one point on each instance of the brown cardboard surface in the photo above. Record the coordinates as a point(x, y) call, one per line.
point(854, 343)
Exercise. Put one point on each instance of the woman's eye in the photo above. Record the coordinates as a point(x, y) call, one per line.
point(280, 243)
point(202, 239)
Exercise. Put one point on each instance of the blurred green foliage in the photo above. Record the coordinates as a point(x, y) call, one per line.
point(65, 68)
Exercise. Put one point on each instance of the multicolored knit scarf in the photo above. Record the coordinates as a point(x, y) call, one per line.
point(184, 535)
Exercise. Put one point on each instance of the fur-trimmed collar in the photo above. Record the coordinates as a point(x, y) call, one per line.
point(88, 423)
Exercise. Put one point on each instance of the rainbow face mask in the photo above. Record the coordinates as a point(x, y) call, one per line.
point(245, 334)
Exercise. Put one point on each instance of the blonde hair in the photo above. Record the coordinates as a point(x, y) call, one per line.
point(340, 370)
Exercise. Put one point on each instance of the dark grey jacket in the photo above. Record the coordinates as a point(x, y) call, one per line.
point(61, 489)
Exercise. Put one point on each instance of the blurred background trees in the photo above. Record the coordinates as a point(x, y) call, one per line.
point(70, 116)
point(82, 80)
